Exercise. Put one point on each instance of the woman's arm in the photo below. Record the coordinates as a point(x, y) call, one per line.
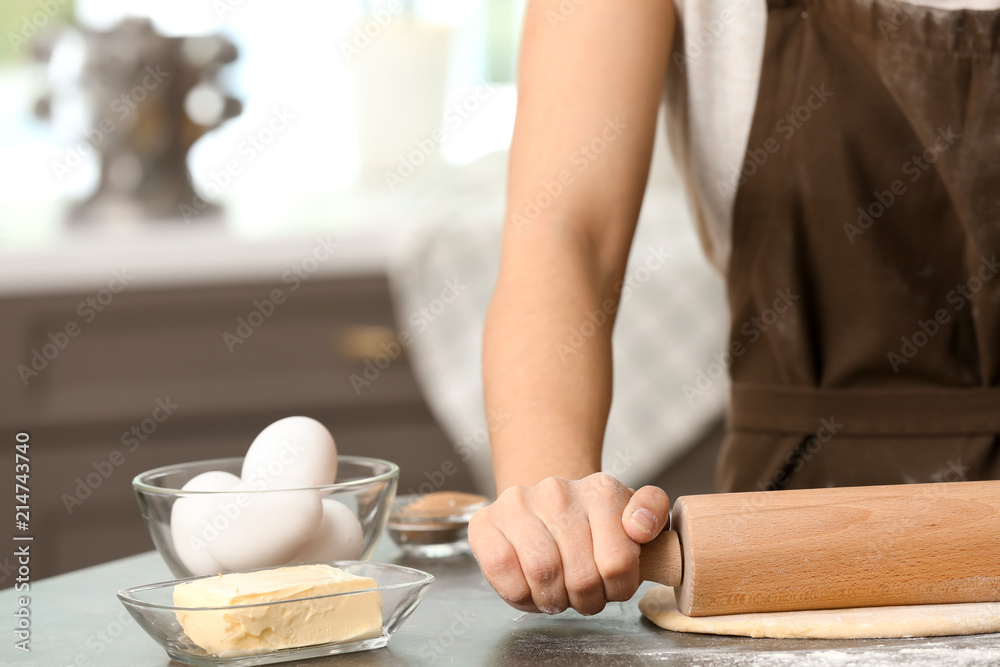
point(589, 80)
point(589, 88)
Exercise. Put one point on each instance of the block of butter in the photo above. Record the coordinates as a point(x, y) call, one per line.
point(287, 623)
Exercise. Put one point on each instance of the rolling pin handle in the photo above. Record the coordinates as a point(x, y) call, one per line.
point(661, 561)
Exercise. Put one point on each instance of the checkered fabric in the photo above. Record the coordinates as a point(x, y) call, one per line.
point(666, 333)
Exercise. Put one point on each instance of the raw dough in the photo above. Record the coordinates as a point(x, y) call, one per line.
point(932, 620)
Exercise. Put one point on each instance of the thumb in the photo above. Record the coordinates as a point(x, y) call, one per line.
point(646, 514)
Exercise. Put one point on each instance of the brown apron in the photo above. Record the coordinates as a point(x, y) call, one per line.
point(864, 281)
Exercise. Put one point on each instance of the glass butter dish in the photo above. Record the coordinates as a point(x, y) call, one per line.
point(153, 608)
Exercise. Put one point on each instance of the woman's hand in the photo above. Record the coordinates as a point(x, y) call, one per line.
point(567, 543)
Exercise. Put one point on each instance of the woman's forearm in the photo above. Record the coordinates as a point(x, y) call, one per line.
point(552, 386)
point(588, 93)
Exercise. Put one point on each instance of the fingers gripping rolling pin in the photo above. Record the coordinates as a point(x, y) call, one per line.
point(830, 548)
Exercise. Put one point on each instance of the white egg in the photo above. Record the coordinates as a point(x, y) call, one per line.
point(187, 517)
point(298, 449)
point(263, 528)
point(186, 520)
point(338, 537)
point(214, 480)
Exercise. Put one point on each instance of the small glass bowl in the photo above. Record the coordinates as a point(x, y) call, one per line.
point(366, 486)
point(431, 534)
point(153, 608)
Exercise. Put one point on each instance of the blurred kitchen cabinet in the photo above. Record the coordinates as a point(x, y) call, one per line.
point(99, 394)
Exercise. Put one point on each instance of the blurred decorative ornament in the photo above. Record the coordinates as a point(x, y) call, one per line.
point(149, 98)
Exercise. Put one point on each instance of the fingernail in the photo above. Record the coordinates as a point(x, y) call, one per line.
point(644, 520)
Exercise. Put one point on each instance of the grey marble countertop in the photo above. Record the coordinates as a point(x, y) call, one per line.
point(77, 620)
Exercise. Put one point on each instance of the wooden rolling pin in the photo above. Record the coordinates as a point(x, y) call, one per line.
point(870, 546)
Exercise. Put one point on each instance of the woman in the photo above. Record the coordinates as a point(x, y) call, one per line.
point(843, 161)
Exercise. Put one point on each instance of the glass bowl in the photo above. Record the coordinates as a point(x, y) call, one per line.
point(366, 488)
point(153, 608)
point(432, 532)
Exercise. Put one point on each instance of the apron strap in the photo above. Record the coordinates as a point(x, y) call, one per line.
point(885, 412)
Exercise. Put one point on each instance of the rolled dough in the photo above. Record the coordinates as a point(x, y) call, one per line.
point(932, 620)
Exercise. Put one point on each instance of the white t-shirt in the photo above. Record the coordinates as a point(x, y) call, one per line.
point(723, 49)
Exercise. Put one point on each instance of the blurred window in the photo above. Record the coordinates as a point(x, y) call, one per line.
point(292, 56)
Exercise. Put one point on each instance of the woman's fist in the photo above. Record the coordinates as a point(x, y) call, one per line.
point(567, 543)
